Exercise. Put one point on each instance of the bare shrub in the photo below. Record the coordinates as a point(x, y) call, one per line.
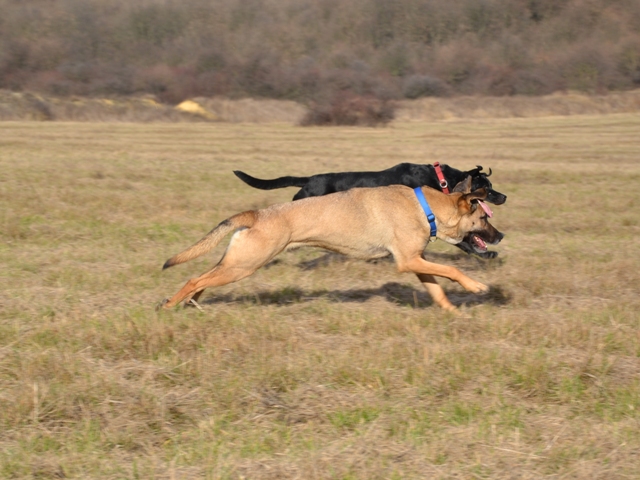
point(416, 86)
point(494, 80)
point(53, 82)
point(628, 61)
point(14, 57)
point(169, 84)
point(586, 68)
point(114, 80)
point(347, 108)
point(540, 81)
point(308, 49)
point(540, 10)
point(360, 81)
point(396, 60)
point(456, 64)
point(157, 23)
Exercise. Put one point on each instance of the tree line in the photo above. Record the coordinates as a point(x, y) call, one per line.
point(313, 50)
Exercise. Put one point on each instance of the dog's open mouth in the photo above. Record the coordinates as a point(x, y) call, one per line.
point(477, 243)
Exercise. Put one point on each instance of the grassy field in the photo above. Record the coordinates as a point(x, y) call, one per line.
point(317, 366)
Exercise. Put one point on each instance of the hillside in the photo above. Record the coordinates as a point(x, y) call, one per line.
point(307, 50)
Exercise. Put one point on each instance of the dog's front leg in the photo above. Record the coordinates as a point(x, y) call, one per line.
point(436, 291)
point(422, 266)
point(426, 272)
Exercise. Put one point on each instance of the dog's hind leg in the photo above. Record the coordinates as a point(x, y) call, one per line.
point(216, 277)
point(248, 250)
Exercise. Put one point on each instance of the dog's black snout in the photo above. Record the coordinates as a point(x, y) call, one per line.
point(496, 198)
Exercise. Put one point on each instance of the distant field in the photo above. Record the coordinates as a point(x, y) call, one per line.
point(18, 106)
point(316, 367)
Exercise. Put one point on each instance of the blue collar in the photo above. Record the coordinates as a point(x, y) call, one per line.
point(427, 210)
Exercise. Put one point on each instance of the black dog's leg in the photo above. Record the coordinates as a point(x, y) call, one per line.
point(465, 247)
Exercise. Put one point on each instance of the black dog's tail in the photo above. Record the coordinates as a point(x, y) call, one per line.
point(280, 182)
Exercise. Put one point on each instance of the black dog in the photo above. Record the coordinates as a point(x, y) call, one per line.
point(410, 174)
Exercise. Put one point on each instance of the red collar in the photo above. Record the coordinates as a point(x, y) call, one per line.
point(443, 183)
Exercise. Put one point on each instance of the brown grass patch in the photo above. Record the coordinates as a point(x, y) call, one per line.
point(29, 106)
point(572, 103)
point(344, 110)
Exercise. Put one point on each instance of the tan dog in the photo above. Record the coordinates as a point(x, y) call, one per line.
point(364, 223)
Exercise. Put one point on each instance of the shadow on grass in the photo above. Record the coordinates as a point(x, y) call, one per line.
point(463, 260)
point(402, 295)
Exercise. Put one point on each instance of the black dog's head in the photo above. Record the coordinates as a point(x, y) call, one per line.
point(481, 180)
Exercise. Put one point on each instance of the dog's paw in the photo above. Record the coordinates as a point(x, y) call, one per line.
point(476, 287)
point(489, 254)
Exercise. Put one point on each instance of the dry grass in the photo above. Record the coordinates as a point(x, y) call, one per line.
point(572, 103)
point(315, 367)
point(147, 108)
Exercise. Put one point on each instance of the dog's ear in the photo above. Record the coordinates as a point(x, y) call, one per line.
point(465, 201)
point(479, 194)
point(463, 186)
point(476, 171)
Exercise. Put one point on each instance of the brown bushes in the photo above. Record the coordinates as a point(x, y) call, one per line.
point(313, 50)
point(349, 109)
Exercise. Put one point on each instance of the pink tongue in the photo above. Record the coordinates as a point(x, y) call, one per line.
point(480, 242)
point(486, 208)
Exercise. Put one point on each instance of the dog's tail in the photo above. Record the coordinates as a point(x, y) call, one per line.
point(213, 238)
point(280, 182)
